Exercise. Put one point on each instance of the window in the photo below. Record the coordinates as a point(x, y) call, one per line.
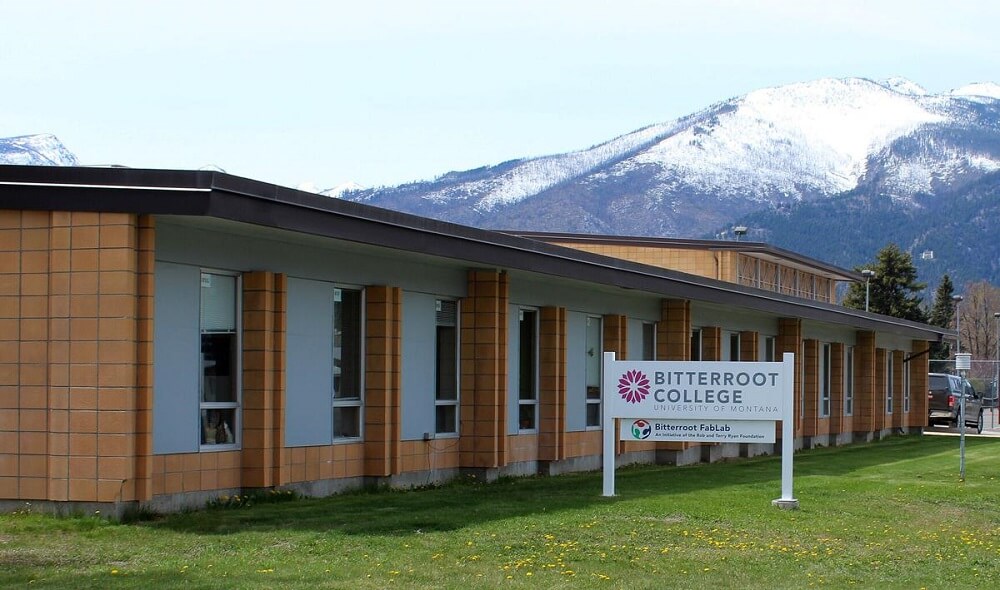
point(824, 381)
point(888, 382)
point(802, 379)
point(906, 388)
point(734, 346)
point(696, 344)
point(347, 353)
point(446, 368)
point(770, 355)
point(848, 380)
point(527, 370)
point(593, 362)
point(648, 341)
point(220, 383)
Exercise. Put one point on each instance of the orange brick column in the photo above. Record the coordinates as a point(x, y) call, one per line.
point(711, 343)
point(790, 340)
point(837, 418)
point(383, 358)
point(749, 346)
point(898, 384)
point(144, 368)
point(864, 383)
point(919, 365)
point(810, 420)
point(673, 343)
point(615, 340)
point(673, 331)
point(878, 395)
point(263, 454)
point(552, 384)
point(483, 442)
point(68, 356)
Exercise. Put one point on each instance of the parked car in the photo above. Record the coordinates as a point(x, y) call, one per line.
point(944, 402)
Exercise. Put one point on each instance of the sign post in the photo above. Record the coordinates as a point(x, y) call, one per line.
point(963, 362)
point(723, 401)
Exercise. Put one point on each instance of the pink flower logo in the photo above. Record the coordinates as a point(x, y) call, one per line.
point(633, 386)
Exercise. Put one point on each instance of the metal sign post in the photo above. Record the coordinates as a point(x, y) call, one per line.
point(963, 362)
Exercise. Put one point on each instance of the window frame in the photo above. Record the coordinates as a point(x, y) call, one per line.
point(650, 354)
point(826, 384)
point(888, 382)
point(349, 402)
point(531, 402)
point(439, 402)
point(236, 405)
point(696, 344)
point(848, 380)
point(597, 354)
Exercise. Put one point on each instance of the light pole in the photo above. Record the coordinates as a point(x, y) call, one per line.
point(740, 230)
point(869, 275)
point(958, 322)
point(996, 374)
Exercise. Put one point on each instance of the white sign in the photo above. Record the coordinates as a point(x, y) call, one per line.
point(695, 390)
point(718, 394)
point(723, 431)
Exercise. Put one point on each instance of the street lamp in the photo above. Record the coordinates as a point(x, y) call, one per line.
point(740, 230)
point(996, 366)
point(958, 322)
point(869, 275)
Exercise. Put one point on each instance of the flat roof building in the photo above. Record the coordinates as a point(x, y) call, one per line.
point(167, 337)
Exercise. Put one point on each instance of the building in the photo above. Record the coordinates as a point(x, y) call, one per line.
point(167, 337)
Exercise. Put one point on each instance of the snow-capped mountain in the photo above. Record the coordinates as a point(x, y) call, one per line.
point(768, 149)
point(35, 150)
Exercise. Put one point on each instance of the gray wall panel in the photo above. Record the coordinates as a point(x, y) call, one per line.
point(634, 340)
point(177, 358)
point(576, 371)
point(309, 373)
point(418, 365)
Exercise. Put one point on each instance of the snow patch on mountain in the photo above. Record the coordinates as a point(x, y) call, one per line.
point(530, 177)
point(978, 90)
point(904, 86)
point(811, 136)
point(35, 150)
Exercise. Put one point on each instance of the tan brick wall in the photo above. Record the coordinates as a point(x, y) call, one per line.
point(918, 366)
point(838, 421)
point(69, 358)
point(383, 363)
point(864, 382)
point(790, 340)
point(811, 418)
point(552, 384)
point(322, 462)
point(711, 343)
point(749, 346)
point(483, 440)
point(898, 383)
point(673, 331)
point(195, 472)
point(263, 455)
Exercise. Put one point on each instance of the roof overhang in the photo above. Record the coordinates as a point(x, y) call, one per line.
point(226, 197)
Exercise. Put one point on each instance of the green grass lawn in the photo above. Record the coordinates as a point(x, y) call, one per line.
point(891, 514)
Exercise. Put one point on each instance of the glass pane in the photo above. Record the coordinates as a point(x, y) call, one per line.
point(446, 419)
point(593, 392)
point(347, 422)
point(527, 363)
point(346, 344)
point(218, 426)
point(696, 345)
point(593, 358)
point(526, 416)
point(447, 369)
point(593, 414)
point(734, 347)
point(649, 342)
point(218, 303)
point(218, 363)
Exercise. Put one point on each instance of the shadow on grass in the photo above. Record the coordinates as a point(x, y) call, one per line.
point(460, 504)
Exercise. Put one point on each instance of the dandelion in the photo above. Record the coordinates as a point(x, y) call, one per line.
point(114, 572)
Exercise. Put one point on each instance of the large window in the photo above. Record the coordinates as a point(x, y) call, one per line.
point(648, 341)
point(446, 368)
point(220, 382)
point(593, 361)
point(824, 380)
point(888, 382)
point(347, 351)
point(527, 370)
point(696, 344)
point(848, 380)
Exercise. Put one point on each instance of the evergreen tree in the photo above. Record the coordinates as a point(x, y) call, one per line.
point(893, 289)
point(942, 315)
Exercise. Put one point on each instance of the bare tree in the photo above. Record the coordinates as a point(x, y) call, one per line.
point(979, 327)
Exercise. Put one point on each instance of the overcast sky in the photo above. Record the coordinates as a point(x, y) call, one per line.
point(385, 91)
